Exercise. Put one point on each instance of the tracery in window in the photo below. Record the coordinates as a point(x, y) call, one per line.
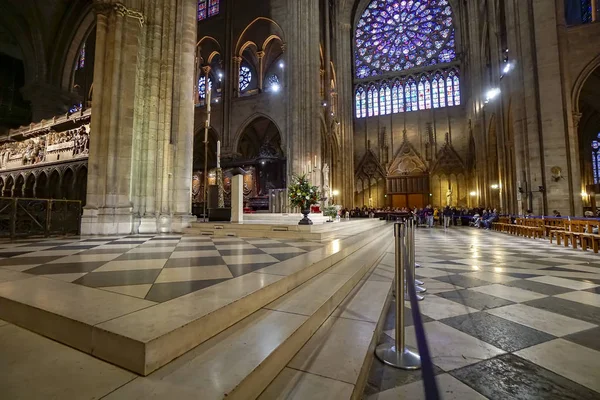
point(394, 35)
point(202, 87)
point(273, 83)
point(586, 11)
point(432, 90)
point(245, 77)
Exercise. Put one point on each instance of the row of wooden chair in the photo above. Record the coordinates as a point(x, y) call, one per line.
point(577, 233)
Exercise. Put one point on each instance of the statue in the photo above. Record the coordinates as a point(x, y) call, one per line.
point(449, 197)
point(325, 195)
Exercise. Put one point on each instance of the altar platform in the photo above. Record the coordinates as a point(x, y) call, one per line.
point(283, 226)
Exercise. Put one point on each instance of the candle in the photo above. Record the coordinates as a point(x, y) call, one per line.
point(218, 154)
point(315, 161)
point(208, 93)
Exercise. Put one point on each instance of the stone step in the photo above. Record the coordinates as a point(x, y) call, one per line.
point(320, 232)
point(143, 336)
point(335, 362)
point(241, 361)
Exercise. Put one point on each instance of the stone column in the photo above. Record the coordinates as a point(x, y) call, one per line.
point(303, 139)
point(140, 166)
point(261, 67)
point(345, 100)
point(237, 62)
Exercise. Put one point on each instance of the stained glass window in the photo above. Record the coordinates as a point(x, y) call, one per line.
point(586, 11)
point(407, 101)
point(273, 83)
point(373, 102)
point(596, 160)
point(81, 59)
point(202, 10)
point(394, 35)
point(456, 84)
point(397, 98)
point(442, 88)
point(213, 7)
point(435, 93)
point(245, 77)
point(421, 89)
point(385, 99)
point(361, 103)
point(449, 89)
point(202, 87)
point(413, 95)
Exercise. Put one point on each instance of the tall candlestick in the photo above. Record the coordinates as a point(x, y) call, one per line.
point(218, 154)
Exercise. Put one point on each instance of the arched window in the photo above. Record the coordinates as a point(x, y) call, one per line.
point(361, 102)
point(456, 88)
point(245, 77)
point(596, 160)
point(397, 98)
point(586, 11)
point(273, 83)
point(385, 99)
point(202, 87)
point(450, 89)
point(81, 58)
point(373, 102)
point(435, 93)
point(394, 35)
point(208, 8)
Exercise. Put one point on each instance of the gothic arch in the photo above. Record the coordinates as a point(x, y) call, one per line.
point(249, 121)
point(207, 47)
point(261, 27)
point(581, 80)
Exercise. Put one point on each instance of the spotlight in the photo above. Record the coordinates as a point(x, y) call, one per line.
point(324, 104)
point(495, 187)
point(492, 94)
point(281, 65)
point(275, 88)
point(507, 68)
point(473, 194)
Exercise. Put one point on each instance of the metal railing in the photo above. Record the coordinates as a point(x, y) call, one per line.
point(406, 287)
point(21, 217)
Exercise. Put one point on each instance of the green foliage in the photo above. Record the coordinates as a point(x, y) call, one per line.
point(331, 211)
point(302, 194)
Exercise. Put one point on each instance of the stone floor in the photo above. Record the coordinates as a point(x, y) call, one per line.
point(155, 268)
point(505, 318)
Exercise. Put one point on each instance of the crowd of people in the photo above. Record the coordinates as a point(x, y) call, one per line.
point(430, 216)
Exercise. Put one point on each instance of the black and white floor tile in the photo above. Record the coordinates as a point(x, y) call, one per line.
point(505, 318)
point(156, 268)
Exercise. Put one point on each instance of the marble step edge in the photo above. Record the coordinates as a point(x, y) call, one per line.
point(363, 375)
point(112, 344)
point(249, 226)
point(255, 382)
point(278, 232)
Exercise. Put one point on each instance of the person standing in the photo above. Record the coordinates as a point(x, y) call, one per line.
point(447, 216)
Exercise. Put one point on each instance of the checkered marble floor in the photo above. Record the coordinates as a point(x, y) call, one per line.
point(156, 268)
point(505, 317)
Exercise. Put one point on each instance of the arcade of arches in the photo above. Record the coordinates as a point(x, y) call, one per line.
point(396, 102)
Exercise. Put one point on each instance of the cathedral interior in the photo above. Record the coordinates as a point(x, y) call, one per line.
point(134, 109)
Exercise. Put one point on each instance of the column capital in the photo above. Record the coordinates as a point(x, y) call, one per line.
point(237, 60)
point(260, 54)
point(105, 7)
point(284, 47)
point(206, 69)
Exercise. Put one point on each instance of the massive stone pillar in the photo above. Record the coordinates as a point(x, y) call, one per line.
point(303, 141)
point(140, 163)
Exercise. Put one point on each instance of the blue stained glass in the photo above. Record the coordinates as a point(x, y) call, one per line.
point(586, 11)
point(202, 9)
point(456, 90)
point(449, 90)
point(395, 35)
point(421, 89)
point(435, 93)
point(202, 87)
point(413, 96)
point(359, 99)
point(407, 102)
point(245, 77)
point(596, 160)
point(427, 95)
point(397, 98)
point(442, 88)
point(385, 99)
point(373, 102)
point(213, 7)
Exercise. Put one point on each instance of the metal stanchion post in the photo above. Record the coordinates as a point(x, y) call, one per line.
point(398, 354)
point(412, 261)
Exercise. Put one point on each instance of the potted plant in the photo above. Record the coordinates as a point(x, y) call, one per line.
point(303, 195)
point(331, 212)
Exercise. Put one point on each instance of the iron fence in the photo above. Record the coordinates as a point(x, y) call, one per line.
point(21, 217)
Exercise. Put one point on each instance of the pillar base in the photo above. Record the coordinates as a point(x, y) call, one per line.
point(107, 221)
point(163, 223)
